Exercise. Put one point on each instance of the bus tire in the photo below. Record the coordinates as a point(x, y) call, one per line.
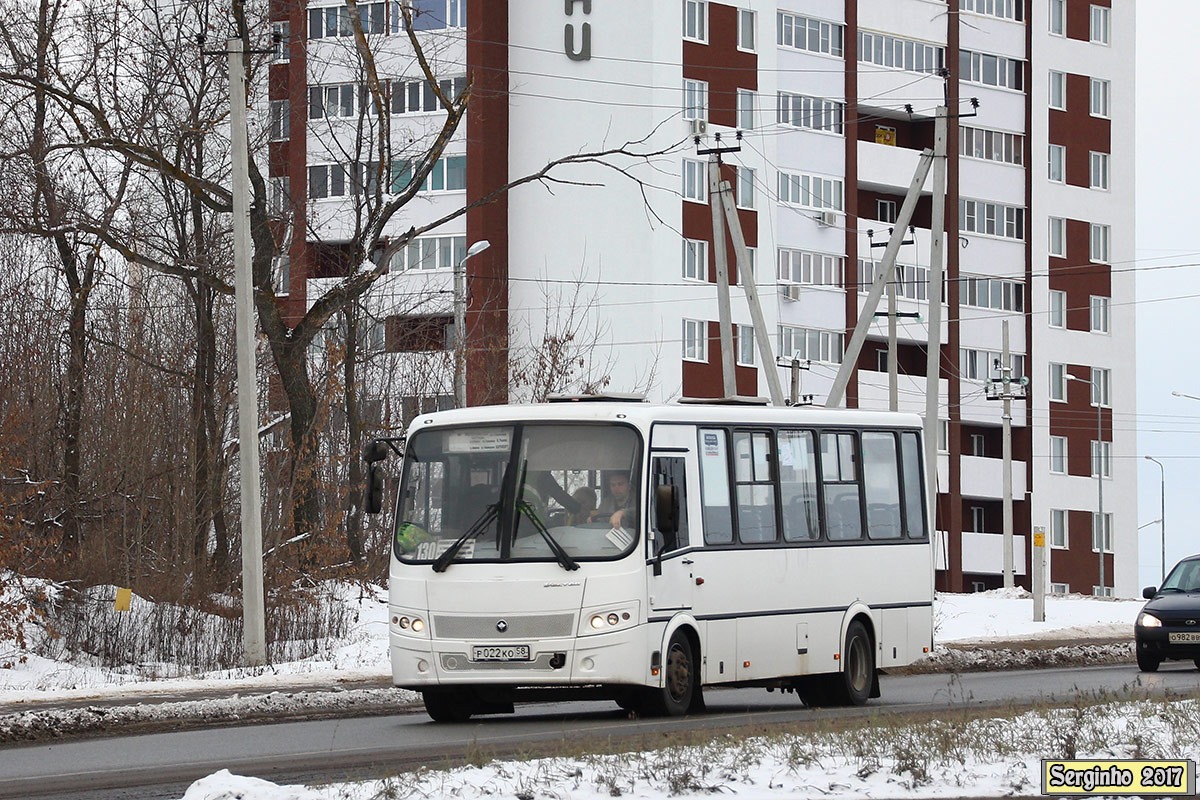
point(680, 680)
point(446, 705)
point(857, 678)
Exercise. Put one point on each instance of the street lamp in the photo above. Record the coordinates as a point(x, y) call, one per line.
point(1099, 527)
point(460, 322)
point(1162, 509)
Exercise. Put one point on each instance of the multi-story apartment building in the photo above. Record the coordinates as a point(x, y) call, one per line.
point(835, 100)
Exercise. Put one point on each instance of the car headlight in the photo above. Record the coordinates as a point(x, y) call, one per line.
point(1149, 621)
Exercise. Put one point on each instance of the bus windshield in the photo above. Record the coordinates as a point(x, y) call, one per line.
point(524, 492)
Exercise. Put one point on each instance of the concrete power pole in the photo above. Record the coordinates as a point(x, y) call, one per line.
point(728, 377)
point(1006, 455)
point(933, 354)
point(253, 607)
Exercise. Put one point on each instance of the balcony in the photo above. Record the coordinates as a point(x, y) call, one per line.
point(984, 477)
point(885, 167)
point(982, 553)
point(873, 391)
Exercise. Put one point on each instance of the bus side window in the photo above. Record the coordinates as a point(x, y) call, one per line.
point(755, 489)
point(798, 486)
point(839, 474)
point(881, 484)
point(914, 499)
point(669, 471)
point(714, 486)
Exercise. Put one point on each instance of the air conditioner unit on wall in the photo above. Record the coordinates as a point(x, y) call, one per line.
point(827, 219)
point(791, 292)
point(699, 127)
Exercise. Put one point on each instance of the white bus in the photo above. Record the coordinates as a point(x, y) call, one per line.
point(642, 552)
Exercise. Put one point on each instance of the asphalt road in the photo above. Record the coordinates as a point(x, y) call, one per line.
point(161, 765)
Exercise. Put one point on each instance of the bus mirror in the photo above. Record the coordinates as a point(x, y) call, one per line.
point(666, 510)
point(375, 451)
point(374, 499)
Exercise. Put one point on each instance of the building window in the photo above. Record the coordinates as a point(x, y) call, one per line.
point(328, 102)
point(281, 113)
point(992, 219)
point(1099, 246)
point(281, 196)
point(1058, 309)
point(1099, 178)
point(979, 365)
point(978, 519)
point(1097, 533)
point(991, 70)
point(695, 340)
point(994, 293)
point(280, 33)
point(911, 282)
point(1004, 9)
point(885, 211)
point(912, 55)
point(813, 113)
point(695, 99)
point(810, 344)
point(1058, 90)
point(282, 270)
point(1006, 148)
point(1058, 382)
point(746, 30)
point(694, 181)
point(1100, 306)
point(1060, 588)
point(448, 174)
point(1100, 27)
point(745, 187)
point(1058, 528)
point(812, 35)
point(1101, 91)
point(745, 341)
point(430, 15)
point(1101, 386)
point(418, 97)
point(695, 259)
point(1058, 455)
point(745, 109)
point(328, 21)
point(431, 252)
point(1102, 591)
point(943, 436)
point(978, 445)
point(812, 269)
point(695, 20)
point(810, 191)
point(1058, 17)
point(1102, 458)
point(1057, 160)
point(1057, 244)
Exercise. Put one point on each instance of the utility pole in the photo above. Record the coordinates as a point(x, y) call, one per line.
point(893, 315)
point(725, 320)
point(795, 365)
point(746, 278)
point(253, 607)
point(460, 322)
point(883, 275)
point(933, 352)
point(1039, 573)
point(1007, 390)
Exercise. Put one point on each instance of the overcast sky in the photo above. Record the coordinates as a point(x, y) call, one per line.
point(1168, 170)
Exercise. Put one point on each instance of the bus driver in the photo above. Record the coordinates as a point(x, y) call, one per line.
point(620, 501)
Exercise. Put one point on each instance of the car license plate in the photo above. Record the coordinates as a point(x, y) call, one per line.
point(508, 652)
point(1183, 638)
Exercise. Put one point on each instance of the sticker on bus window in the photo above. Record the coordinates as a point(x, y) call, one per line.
point(712, 445)
point(479, 440)
point(427, 551)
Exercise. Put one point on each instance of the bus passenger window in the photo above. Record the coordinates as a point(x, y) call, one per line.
point(670, 472)
point(843, 513)
point(798, 486)
point(755, 490)
point(914, 500)
point(881, 484)
point(714, 487)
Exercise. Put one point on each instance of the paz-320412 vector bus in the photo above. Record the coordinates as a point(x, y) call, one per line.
point(640, 552)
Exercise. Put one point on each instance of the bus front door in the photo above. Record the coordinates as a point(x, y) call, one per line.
point(671, 580)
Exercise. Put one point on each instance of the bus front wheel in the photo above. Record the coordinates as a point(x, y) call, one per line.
point(444, 705)
point(680, 680)
point(858, 667)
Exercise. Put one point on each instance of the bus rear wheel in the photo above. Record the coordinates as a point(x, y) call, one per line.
point(857, 677)
point(680, 681)
point(446, 705)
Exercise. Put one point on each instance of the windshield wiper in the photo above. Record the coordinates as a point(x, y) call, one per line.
point(563, 557)
point(479, 526)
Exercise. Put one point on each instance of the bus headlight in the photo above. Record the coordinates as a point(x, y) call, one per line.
point(407, 623)
point(418, 624)
point(1149, 621)
point(603, 620)
point(598, 622)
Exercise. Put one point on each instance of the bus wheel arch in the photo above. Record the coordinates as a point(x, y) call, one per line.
point(680, 662)
point(859, 677)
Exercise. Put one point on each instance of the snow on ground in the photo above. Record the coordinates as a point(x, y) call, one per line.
point(1006, 615)
point(988, 757)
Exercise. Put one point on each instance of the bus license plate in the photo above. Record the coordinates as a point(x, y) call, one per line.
point(511, 652)
point(1183, 638)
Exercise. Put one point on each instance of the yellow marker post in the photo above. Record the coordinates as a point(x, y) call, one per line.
point(123, 598)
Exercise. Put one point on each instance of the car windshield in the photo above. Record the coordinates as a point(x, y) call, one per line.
point(528, 492)
point(1185, 577)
